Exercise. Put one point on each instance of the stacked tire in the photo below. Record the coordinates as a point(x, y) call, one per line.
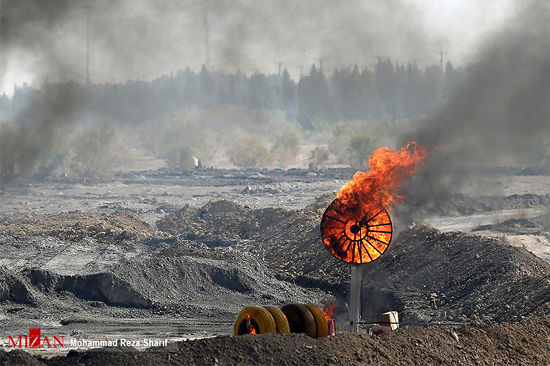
point(291, 318)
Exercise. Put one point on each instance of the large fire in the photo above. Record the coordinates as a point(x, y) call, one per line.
point(356, 227)
point(377, 189)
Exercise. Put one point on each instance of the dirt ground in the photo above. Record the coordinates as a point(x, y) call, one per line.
point(176, 256)
point(524, 343)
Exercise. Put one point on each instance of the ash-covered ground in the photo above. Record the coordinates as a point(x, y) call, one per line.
point(162, 255)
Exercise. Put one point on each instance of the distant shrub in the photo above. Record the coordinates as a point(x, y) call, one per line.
point(95, 153)
point(286, 147)
point(180, 158)
point(178, 140)
point(248, 152)
point(352, 142)
point(360, 149)
point(318, 157)
point(10, 137)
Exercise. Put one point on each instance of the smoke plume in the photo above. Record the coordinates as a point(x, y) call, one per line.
point(142, 39)
point(67, 42)
point(499, 116)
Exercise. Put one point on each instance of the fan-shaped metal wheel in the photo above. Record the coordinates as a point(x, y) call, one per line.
point(355, 236)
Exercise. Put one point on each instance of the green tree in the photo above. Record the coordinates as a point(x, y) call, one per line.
point(313, 97)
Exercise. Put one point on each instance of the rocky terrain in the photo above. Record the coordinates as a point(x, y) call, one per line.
point(178, 256)
point(76, 225)
point(427, 276)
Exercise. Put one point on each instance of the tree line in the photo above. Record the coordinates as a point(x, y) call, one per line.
point(388, 89)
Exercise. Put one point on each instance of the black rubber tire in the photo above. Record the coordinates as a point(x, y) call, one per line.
point(281, 321)
point(300, 319)
point(262, 317)
point(320, 320)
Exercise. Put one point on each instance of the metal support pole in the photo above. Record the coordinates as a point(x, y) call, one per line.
point(355, 297)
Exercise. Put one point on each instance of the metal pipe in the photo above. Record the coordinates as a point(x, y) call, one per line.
point(355, 297)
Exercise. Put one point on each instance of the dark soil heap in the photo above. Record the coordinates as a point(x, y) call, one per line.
point(523, 343)
point(76, 225)
point(12, 288)
point(512, 226)
point(459, 204)
point(458, 276)
point(221, 219)
point(288, 240)
point(426, 275)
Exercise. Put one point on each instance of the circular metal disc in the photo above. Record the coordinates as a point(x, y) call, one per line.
point(355, 237)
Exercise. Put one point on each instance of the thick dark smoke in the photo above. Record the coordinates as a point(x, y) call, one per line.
point(499, 116)
point(303, 32)
point(36, 34)
point(30, 30)
point(134, 39)
point(28, 146)
point(142, 39)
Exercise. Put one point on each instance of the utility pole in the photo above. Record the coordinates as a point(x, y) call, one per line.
point(441, 54)
point(2, 73)
point(279, 65)
point(3, 47)
point(440, 86)
point(4, 165)
point(321, 64)
point(87, 9)
point(206, 36)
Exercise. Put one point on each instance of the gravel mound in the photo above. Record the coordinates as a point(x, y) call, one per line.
point(175, 278)
point(460, 204)
point(76, 225)
point(294, 250)
point(104, 287)
point(512, 344)
point(461, 277)
point(512, 226)
point(288, 240)
point(220, 219)
point(194, 284)
point(13, 289)
point(426, 275)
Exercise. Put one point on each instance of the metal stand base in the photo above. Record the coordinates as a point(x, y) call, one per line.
point(355, 297)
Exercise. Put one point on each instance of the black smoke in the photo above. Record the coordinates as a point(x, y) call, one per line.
point(498, 117)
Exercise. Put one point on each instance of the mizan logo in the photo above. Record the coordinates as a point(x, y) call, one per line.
point(34, 340)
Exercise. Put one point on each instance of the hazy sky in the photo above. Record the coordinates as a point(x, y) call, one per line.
point(460, 25)
point(143, 39)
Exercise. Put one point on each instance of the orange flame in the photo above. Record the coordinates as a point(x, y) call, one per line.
point(251, 329)
point(329, 310)
point(356, 227)
point(377, 189)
